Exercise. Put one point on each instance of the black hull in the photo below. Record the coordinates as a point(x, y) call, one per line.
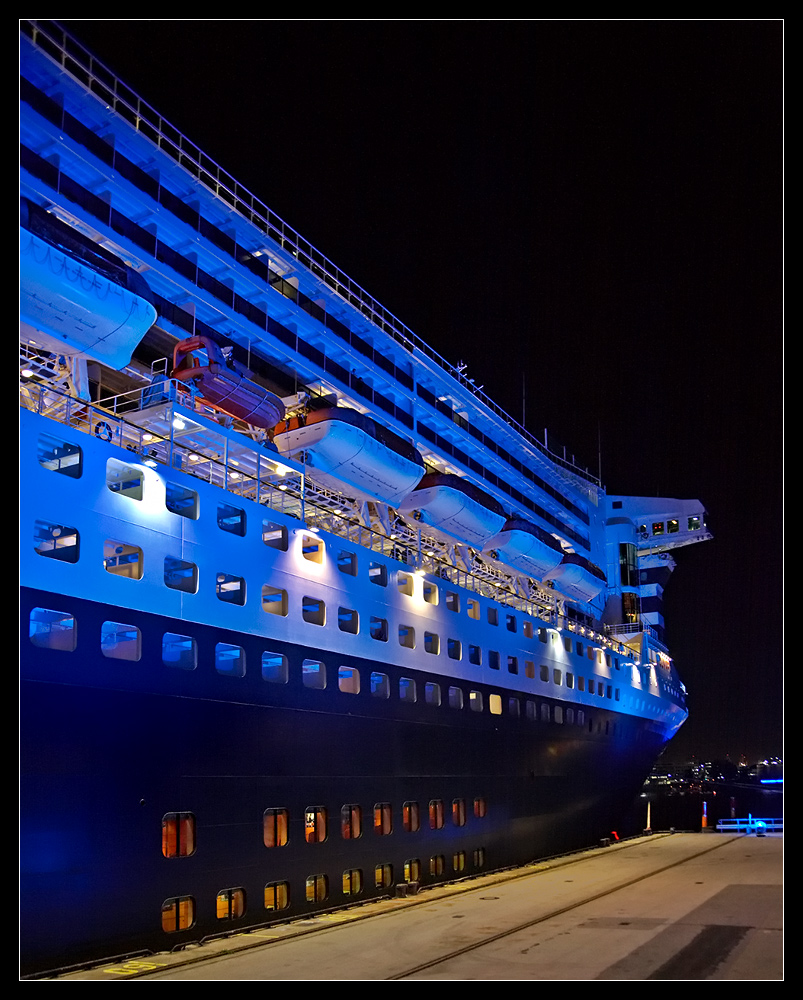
point(109, 748)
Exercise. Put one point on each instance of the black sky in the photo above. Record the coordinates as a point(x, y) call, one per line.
point(591, 210)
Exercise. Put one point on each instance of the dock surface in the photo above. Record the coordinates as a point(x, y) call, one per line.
point(668, 907)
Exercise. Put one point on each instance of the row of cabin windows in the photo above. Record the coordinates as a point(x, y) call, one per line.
point(179, 913)
point(49, 629)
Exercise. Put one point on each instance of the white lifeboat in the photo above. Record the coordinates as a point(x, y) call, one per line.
point(344, 447)
point(456, 507)
point(578, 578)
point(77, 298)
point(526, 547)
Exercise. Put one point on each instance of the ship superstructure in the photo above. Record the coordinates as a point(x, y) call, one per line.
point(306, 615)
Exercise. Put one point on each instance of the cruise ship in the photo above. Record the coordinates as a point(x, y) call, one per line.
point(306, 618)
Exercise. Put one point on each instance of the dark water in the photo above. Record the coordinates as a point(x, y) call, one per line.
point(683, 808)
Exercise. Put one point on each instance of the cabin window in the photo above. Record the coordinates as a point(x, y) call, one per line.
point(178, 835)
point(230, 589)
point(657, 527)
point(348, 680)
point(231, 519)
point(569, 679)
point(475, 701)
point(380, 685)
point(179, 500)
point(531, 710)
point(455, 697)
point(544, 673)
point(559, 714)
point(352, 882)
point(529, 669)
point(274, 827)
point(459, 812)
point(545, 715)
point(412, 870)
point(348, 620)
point(56, 541)
point(315, 824)
point(178, 914)
point(274, 668)
point(351, 822)
point(510, 623)
point(436, 865)
point(277, 896)
point(313, 610)
point(274, 535)
point(383, 876)
point(120, 642)
point(313, 673)
point(694, 523)
point(473, 609)
point(407, 636)
point(230, 904)
point(432, 642)
point(475, 655)
point(125, 480)
point(493, 659)
point(180, 575)
point(404, 582)
point(274, 601)
point(347, 562)
point(229, 660)
point(378, 627)
point(542, 635)
point(317, 889)
point(60, 456)
point(452, 600)
point(407, 690)
point(579, 649)
point(478, 857)
point(493, 616)
point(383, 819)
point(480, 807)
point(459, 861)
point(556, 676)
point(180, 651)
point(411, 819)
point(432, 693)
point(570, 716)
point(495, 704)
point(527, 628)
point(454, 648)
point(122, 560)
point(514, 707)
point(567, 643)
point(52, 629)
point(312, 548)
point(378, 574)
point(436, 814)
point(581, 683)
point(430, 592)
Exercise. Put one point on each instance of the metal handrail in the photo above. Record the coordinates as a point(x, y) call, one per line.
point(90, 72)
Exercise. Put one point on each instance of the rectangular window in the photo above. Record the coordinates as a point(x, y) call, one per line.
point(378, 574)
point(383, 876)
point(454, 648)
point(313, 610)
point(436, 814)
point(514, 707)
point(529, 669)
point(495, 704)
point(412, 870)
point(455, 697)
point(380, 685)
point(347, 562)
point(493, 616)
point(312, 548)
point(430, 592)
point(351, 822)
point(120, 642)
point(317, 889)
point(459, 812)
point(510, 623)
point(56, 541)
point(452, 600)
point(493, 659)
point(52, 629)
point(274, 827)
point(480, 807)
point(348, 680)
point(178, 835)
point(569, 679)
point(407, 636)
point(125, 480)
point(436, 865)
point(407, 690)
point(180, 651)
point(231, 519)
point(352, 882)
point(274, 668)
point(383, 819)
point(473, 609)
point(178, 914)
point(313, 674)
point(512, 664)
point(123, 560)
point(378, 627)
point(527, 628)
point(404, 582)
point(274, 535)
point(274, 601)
point(230, 904)
point(475, 701)
point(179, 500)
point(459, 861)
point(479, 857)
point(348, 620)
point(315, 824)
point(432, 693)
point(230, 589)
point(556, 676)
point(475, 655)
point(277, 896)
point(229, 660)
point(432, 642)
point(410, 817)
point(181, 575)
point(60, 456)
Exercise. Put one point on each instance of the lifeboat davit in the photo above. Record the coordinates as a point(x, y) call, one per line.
point(525, 546)
point(77, 298)
point(456, 507)
point(225, 389)
point(578, 578)
point(343, 446)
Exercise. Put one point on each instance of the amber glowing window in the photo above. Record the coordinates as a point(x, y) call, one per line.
point(277, 895)
point(315, 824)
point(410, 817)
point(178, 914)
point(383, 819)
point(459, 861)
point(312, 548)
point(459, 812)
point(351, 822)
point(383, 876)
point(437, 863)
point(274, 827)
point(436, 814)
point(495, 704)
point(473, 609)
point(230, 904)
point(529, 669)
point(317, 888)
point(121, 559)
point(352, 882)
point(412, 870)
point(480, 807)
point(178, 835)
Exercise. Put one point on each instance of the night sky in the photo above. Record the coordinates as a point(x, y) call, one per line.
point(589, 215)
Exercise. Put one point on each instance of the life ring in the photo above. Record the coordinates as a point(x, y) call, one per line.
point(103, 431)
